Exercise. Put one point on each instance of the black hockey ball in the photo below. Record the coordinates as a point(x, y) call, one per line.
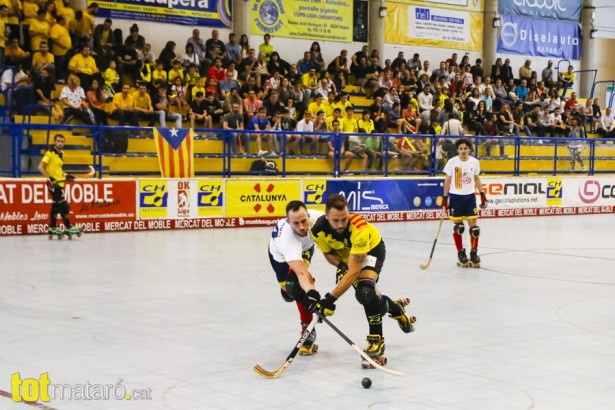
point(366, 382)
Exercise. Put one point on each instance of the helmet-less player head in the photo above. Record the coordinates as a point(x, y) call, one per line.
point(337, 213)
point(298, 218)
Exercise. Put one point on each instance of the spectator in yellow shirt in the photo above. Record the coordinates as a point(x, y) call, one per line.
point(15, 55)
point(124, 109)
point(143, 105)
point(39, 30)
point(64, 9)
point(60, 44)
point(42, 59)
point(83, 66)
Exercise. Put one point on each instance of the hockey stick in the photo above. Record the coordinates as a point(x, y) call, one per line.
point(358, 349)
point(433, 248)
point(71, 178)
point(276, 373)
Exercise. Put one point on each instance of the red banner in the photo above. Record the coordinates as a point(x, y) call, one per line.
point(25, 205)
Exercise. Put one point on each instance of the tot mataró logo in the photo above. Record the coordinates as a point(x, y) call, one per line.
point(41, 389)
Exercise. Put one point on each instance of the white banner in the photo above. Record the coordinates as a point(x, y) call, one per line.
point(439, 24)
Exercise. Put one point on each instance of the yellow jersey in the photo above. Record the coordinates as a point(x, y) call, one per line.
point(85, 65)
point(359, 238)
point(60, 40)
point(142, 101)
point(55, 161)
point(121, 103)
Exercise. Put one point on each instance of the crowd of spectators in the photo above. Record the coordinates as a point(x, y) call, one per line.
point(211, 83)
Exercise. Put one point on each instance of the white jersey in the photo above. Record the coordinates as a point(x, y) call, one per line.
point(462, 175)
point(285, 245)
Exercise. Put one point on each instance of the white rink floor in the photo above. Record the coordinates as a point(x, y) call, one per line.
point(187, 314)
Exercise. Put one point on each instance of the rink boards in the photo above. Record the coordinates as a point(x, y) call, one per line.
point(115, 205)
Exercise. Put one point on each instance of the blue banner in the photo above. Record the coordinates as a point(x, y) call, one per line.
point(566, 10)
point(533, 37)
point(209, 13)
point(386, 195)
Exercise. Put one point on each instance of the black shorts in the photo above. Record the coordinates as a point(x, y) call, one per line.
point(462, 207)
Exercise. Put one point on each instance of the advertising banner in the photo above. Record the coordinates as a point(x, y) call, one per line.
point(260, 198)
point(533, 37)
point(305, 19)
point(457, 29)
point(590, 191)
point(564, 10)
point(209, 13)
point(153, 198)
point(470, 5)
point(25, 204)
point(384, 195)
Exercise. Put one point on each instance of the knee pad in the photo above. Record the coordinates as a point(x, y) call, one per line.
point(475, 232)
point(285, 295)
point(293, 288)
point(365, 292)
point(459, 229)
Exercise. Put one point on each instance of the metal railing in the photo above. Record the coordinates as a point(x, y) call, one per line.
point(521, 155)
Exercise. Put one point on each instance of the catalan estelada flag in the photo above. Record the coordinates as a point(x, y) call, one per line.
point(175, 148)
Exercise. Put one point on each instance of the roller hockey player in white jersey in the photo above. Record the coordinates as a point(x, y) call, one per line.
point(459, 200)
point(290, 252)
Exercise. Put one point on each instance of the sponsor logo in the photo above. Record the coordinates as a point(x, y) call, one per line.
point(153, 195)
point(269, 12)
point(591, 190)
point(314, 192)
point(364, 200)
point(210, 195)
point(183, 199)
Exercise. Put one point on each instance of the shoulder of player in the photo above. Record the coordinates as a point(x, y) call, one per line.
point(320, 225)
point(357, 221)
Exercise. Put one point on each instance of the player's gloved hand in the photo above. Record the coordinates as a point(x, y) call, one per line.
point(445, 203)
point(326, 306)
point(483, 200)
point(342, 268)
point(310, 300)
point(69, 178)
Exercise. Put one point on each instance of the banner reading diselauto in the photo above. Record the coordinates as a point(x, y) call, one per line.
point(25, 205)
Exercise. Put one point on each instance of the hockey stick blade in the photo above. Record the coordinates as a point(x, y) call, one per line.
point(276, 373)
point(433, 247)
point(358, 349)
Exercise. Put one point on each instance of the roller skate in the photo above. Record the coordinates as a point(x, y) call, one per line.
point(474, 259)
point(463, 261)
point(374, 349)
point(404, 322)
point(73, 230)
point(55, 232)
point(309, 347)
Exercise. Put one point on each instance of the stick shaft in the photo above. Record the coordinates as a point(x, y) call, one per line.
point(277, 372)
point(358, 349)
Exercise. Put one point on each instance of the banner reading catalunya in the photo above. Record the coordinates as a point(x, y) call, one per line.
point(209, 13)
point(457, 29)
point(565, 10)
point(533, 37)
point(329, 20)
